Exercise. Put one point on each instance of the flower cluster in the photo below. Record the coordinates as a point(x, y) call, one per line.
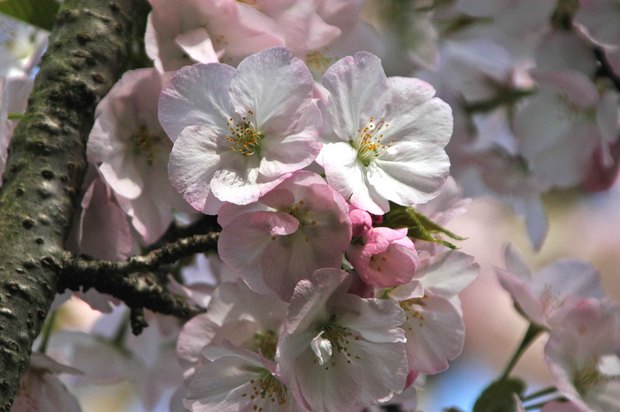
point(314, 337)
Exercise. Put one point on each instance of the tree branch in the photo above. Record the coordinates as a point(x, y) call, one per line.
point(133, 280)
point(88, 50)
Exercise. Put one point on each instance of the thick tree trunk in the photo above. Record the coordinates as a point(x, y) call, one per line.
point(88, 50)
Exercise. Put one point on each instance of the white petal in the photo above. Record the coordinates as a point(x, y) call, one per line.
point(198, 45)
point(409, 172)
point(197, 95)
point(346, 174)
point(357, 86)
point(414, 115)
point(274, 85)
point(448, 273)
point(193, 162)
point(435, 334)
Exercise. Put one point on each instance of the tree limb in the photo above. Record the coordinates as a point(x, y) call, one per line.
point(132, 280)
point(88, 50)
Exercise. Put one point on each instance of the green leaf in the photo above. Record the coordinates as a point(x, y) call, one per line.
point(39, 13)
point(499, 396)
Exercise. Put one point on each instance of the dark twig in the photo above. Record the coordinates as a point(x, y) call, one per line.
point(133, 280)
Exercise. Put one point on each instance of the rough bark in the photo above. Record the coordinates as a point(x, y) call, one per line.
point(87, 52)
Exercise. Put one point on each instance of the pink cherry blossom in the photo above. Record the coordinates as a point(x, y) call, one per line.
point(131, 150)
point(557, 286)
point(384, 137)
point(236, 315)
point(434, 324)
point(582, 354)
point(562, 126)
point(41, 390)
point(339, 351)
point(100, 228)
point(238, 380)
point(237, 133)
point(300, 226)
point(384, 257)
point(179, 33)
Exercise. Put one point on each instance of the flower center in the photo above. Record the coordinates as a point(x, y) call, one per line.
point(266, 388)
point(266, 342)
point(146, 144)
point(589, 377)
point(368, 139)
point(243, 137)
point(410, 306)
point(333, 338)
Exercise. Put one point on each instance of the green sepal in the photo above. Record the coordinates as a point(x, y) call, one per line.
point(499, 396)
point(419, 226)
point(39, 13)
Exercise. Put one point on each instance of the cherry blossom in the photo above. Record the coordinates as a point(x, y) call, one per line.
point(434, 324)
point(131, 151)
point(557, 286)
point(237, 134)
point(384, 137)
point(41, 390)
point(300, 226)
point(340, 351)
point(384, 257)
point(582, 355)
point(180, 33)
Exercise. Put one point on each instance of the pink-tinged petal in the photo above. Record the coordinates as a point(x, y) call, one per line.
point(295, 149)
point(193, 162)
point(532, 209)
point(243, 243)
point(196, 333)
point(274, 85)
point(564, 281)
point(409, 172)
point(338, 386)
point(310, 297)
point(122, 175)
point(198, 45)
point(347, 175)
point(41, 390)
point(227, 385)
point(357, 85)
point(376, 320)
point(387, 257)
point(251, 32)
point(103, 231)
point(435, 333)
point(448, 273)
point(411, 290)
point(515, 263)
point(360, 220)
point(197, 95)
point(575, 86)
point(230, 211)
point(414, 115)
point(601, 18)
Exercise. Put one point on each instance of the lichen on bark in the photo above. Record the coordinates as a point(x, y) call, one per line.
point(88, 51)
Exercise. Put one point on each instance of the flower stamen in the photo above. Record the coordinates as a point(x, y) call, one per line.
point(368, 140)
point(243, 137)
